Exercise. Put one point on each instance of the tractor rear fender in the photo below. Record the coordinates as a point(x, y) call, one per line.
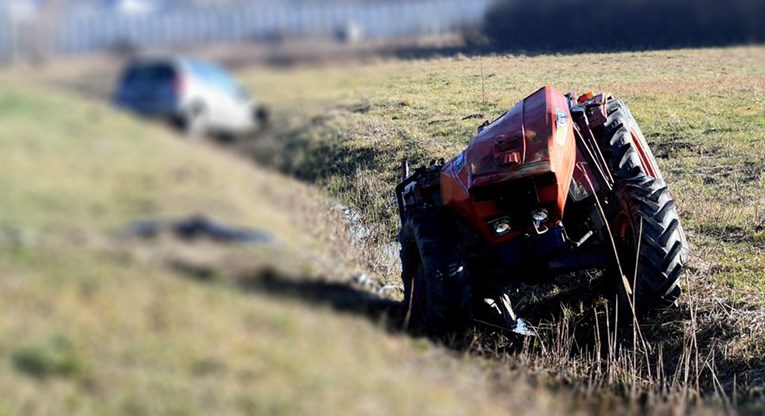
point(638, 141)
point(643, 150)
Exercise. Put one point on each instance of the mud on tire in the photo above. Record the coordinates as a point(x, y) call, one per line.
point(436, 281)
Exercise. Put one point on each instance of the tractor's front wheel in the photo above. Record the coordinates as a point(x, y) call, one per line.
point(436, 281)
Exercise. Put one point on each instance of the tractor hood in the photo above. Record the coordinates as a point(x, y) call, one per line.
point(533, 138)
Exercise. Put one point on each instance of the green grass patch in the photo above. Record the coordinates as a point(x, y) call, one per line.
point(53, 357)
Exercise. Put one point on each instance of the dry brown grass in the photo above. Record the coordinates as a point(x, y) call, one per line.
point(343, 130)
point(703, 110)
point(93, 321)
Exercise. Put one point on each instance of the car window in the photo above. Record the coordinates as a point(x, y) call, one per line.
point(215, 76)
point(149, 72)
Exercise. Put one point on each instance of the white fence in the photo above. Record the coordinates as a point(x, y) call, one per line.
point(382, 20)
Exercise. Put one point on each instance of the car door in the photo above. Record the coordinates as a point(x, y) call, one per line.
point(242, 108)
point(234, 101)
point(209, 94)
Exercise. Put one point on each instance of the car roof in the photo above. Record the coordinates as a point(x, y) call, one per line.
point(181, 62)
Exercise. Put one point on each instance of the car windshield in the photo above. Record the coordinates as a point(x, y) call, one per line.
point(215, 76)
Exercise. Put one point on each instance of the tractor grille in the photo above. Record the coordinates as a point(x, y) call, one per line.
point(516, 199)
point(516, 192)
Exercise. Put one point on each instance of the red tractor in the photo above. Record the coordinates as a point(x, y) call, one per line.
point(555, 185)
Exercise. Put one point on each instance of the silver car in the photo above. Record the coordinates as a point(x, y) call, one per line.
point(196, 95)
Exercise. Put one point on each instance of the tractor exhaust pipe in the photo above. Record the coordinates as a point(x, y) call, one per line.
point(404, 169)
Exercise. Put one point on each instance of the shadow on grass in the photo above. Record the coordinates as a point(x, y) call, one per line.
point(297, 153)
point(351, 298)
point(571, 323)
point(340, 296)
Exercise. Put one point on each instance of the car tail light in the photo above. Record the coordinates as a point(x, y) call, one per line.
point(178, 85)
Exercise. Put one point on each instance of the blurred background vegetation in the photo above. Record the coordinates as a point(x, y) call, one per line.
point(96, 320)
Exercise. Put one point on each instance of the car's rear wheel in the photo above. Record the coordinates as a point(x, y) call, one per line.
point(193, 121)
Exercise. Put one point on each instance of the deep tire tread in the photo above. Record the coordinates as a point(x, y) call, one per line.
point(662, 242)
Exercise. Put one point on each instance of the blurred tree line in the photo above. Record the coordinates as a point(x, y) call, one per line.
point(623, 24)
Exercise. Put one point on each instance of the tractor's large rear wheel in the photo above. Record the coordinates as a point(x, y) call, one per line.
point(646, 232)
point(619, 149)
point(650, 242)
point(436, 281)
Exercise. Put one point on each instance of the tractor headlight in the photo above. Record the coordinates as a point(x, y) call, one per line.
point(539, 215)
point(500, 226)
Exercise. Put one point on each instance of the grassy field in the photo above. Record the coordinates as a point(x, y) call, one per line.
point(94, 321)
point(703, 111)
point(98, 322)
